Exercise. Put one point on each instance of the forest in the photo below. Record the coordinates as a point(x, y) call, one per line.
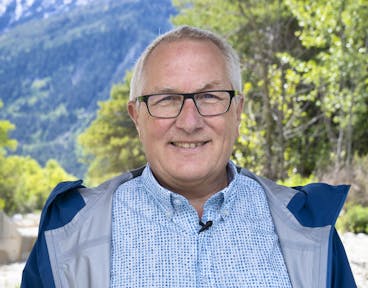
point(305, 75)
point(54, 70)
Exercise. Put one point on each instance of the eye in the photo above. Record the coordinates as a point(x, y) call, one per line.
point(209, 97)
point(164, 99)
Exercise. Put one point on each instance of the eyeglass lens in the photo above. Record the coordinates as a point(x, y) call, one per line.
point(208, 103)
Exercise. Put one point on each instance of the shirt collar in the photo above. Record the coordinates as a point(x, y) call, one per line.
point(159, 194)
point(165, 198)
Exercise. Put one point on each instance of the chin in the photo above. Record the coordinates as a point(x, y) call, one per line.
point(191, 172)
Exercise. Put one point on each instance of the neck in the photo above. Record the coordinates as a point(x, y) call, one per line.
point(198, 192)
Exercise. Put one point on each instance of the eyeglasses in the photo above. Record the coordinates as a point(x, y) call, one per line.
point(169, 105)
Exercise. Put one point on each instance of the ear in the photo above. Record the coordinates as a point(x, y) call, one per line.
point(239, 111)
point(133, 113)
point(239, 108)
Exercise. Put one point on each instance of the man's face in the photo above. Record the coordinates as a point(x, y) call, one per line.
point(189, 150)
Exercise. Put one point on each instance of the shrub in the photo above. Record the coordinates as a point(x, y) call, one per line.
point(25, 185)
point(354, 219)
point(296, 179)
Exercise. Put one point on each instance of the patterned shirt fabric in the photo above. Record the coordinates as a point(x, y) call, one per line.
point(155, 239)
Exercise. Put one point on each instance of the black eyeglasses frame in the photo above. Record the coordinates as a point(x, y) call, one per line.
point(144, 98)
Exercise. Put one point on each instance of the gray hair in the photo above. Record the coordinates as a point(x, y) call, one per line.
point(188, 32)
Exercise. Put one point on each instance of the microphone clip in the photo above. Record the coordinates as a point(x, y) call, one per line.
point(205, 226)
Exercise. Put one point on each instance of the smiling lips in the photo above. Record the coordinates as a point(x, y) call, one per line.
point(189, 145)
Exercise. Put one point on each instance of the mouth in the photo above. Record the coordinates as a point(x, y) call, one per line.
point(189, 145)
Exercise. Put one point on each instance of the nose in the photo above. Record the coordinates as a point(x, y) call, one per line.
point(189, 118)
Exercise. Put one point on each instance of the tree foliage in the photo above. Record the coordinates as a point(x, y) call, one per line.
point(5, 141)
point(304, 66)
point(54, 70)
point(111, 144)
point(24, 184)
point(354, 219)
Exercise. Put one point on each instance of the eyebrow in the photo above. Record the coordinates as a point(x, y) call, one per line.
point(211, 85)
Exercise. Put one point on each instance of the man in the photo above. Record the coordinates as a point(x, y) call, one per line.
point(190, 217)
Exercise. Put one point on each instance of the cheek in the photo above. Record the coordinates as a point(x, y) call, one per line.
point(230, 127)
point(153, 131)
point(232, 131)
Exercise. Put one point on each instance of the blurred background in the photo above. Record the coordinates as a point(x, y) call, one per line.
point(65, 67)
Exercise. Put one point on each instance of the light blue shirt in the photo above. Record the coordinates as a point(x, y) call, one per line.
point(155, 239)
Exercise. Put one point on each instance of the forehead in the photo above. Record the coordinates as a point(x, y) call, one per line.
point(181, 47)
point(184, 64)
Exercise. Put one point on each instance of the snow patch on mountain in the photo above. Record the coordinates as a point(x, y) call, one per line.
point(13, 12)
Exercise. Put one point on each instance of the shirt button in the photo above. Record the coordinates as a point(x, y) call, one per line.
point(169, 214)
point(177, 202)
point(225, 213)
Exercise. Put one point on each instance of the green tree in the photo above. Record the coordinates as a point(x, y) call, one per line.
point(339, 75)
point(5, 141)
point(110, 144)
point(304, 66)
point(274, 116)
point(24, 184)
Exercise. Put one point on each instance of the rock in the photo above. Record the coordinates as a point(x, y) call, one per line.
point(17, 236)
point(10, 240)
point(356, 247)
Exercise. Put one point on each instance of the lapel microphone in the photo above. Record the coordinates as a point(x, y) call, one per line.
point(205, 226)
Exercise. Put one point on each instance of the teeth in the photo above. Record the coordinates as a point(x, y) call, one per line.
point(187, 145)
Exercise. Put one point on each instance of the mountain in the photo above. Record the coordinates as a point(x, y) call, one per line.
point(58, 58)
point(14, 12)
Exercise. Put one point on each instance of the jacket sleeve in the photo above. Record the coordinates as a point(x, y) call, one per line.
point(342, 275)
point(34, 272)
point(62, 205)
point(31, 275)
